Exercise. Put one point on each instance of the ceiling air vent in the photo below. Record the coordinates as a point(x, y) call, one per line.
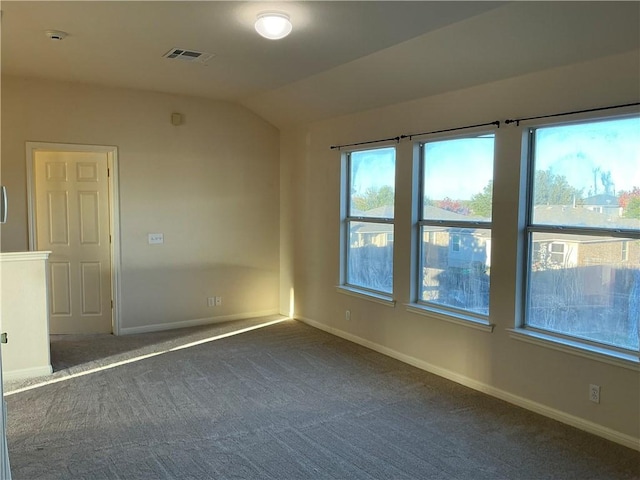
point(188, 55)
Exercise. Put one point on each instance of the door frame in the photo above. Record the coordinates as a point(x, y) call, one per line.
point(114, 208)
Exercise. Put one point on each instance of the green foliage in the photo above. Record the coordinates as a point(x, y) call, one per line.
point(551, 189)
point(633, 208)
point(626, 196)
point(480, 203)
point(374, 198)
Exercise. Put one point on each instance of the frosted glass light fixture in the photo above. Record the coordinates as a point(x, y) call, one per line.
point(273, 25)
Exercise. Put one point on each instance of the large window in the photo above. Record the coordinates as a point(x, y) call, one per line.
point(583, 232)
point(370, 192)
point(455, 224)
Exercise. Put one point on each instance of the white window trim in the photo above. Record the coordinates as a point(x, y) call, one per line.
point(377, 296)
point(573, 345)
point(451, 317)
point(386, 300)
point(431, 309)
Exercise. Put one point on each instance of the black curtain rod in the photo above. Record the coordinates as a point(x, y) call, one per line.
point(497, 123)
point(518, 120)
point(333, 147)
point(397, 139)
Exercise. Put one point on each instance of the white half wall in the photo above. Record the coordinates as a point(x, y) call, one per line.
point(24, 315)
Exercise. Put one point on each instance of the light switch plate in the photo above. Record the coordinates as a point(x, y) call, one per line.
point(156, 238)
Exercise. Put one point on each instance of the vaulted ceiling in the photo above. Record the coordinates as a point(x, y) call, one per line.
point(342, 56)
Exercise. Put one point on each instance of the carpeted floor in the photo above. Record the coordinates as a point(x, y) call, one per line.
point(284, 401)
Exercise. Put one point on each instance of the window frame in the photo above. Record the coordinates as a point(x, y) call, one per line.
point(444, 312)
point(523, 331)
point(379, 296)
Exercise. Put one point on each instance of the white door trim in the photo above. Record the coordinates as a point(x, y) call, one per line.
point(114, 208)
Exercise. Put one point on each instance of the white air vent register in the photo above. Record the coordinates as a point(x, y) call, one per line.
point(189, 55)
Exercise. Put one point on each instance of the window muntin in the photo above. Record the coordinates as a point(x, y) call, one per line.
point(455, 224)
point(370, 220)
point(583, 260)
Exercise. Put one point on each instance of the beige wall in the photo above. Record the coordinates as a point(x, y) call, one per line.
point(239, 224)
point(553, 382)
point(210, 185)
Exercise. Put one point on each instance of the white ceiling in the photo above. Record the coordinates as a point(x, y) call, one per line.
point(342, 56)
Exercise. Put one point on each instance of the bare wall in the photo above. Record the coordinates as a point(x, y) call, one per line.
point(540, 378)
point(210, 185)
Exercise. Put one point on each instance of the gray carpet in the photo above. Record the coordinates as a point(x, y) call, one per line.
point(285, 401)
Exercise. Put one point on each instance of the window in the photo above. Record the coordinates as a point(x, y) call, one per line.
point(454, 225)
point(584, 210)
point(557, 253)
point(455, 242)
point(369, 222)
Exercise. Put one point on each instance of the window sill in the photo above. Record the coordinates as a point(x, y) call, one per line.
point(575, 347)
point(366, 295)
point(465, 321)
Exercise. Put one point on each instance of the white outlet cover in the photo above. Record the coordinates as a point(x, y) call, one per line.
point(156, 238)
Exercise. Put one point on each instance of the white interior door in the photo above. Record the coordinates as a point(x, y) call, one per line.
point(72, 221)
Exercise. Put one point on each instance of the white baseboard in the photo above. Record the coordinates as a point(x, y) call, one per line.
point(27, 373)
point(577, 422)
point(196, 322)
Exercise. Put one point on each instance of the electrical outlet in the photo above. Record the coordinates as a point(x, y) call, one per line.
point(594, 393)
point(156, 238)
point(218, 301)
point(211, 301)
point(347, 314)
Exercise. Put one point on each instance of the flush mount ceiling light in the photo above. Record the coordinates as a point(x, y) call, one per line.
point(273, 25)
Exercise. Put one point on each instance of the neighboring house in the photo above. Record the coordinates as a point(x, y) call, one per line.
point(568, 251)
point(581, 216)
point(378, 234)
point(465, 247)
point(557, 250)
point(469, 249)
point(603, 203)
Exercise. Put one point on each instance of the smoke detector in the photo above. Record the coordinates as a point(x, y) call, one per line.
point(56, 35)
